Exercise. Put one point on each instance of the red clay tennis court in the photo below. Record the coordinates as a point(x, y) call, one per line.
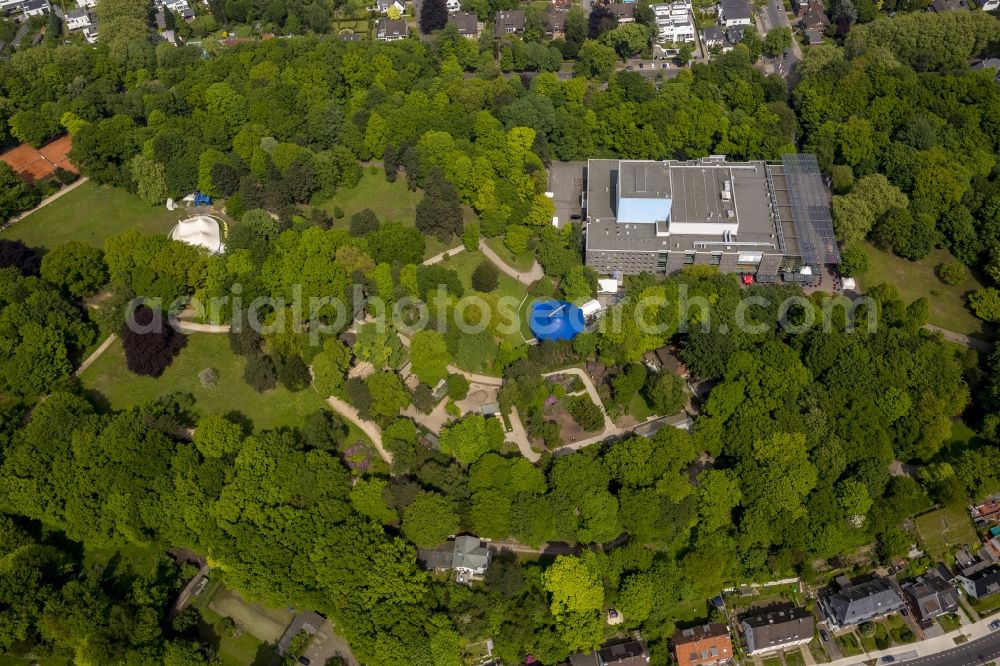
point(34, 164)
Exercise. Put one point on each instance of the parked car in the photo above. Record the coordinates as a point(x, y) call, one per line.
point(888, 659)
point(994, 625)
point(825, 636)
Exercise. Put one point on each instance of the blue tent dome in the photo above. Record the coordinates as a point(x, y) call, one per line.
point(555, 320)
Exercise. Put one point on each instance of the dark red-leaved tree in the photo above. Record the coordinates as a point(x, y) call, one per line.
point(150, 342)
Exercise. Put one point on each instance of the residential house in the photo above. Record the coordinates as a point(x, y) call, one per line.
point(555, 21)
point(814, 17)
point(626, 13)
point(88, 4)
point(941, 6)
point(383, 6)
point(990, 5)
point(10, 5)
point(90, 33)
point(389, 30)
point(620, 652)
point(980, 580)
point(989, 511)
point(36, 8)
point(813, 37)
point(78, 19)
point(777, 629)
point(861, 602)
point(561, 5)
point(714, 36)
point(735, 34)
point(466, 555)
point(664, 359)
point(931, 596)
point(735, 12)
point(453, 6)
point(508, 22)
point(707, 645)
point(467, 24)
point(674, 21)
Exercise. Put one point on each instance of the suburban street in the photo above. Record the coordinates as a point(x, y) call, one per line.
point(773, 15)
point(982, 648)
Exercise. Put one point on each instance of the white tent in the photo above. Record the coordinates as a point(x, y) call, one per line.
point(607, 286)
point(850, 284)
point(201, 231)
point(590, 308)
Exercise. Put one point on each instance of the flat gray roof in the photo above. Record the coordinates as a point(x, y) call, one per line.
point(644, 180)
point(760, 201)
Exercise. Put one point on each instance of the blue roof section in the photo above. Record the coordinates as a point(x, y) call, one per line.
point(643, 210)
point(555, 320)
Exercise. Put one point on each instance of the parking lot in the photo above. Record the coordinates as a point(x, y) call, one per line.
point(566, 181)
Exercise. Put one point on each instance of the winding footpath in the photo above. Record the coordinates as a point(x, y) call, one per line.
point(524, 277)
point(368, 427)
point(960, 338)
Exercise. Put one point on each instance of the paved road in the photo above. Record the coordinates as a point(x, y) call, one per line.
point(554, 548)
point(440, 257)
point(983, 646)
point(981, 651)
point(188, 590)
point(773, 16)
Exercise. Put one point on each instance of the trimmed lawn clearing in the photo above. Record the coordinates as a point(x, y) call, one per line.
point(519, 262)
point(914, 279)
point(986, 606)
point(944, 529)
point(142, 559)
point(247, 650)
point(391, 202)
point(109, 377)
point(464, 263)
point(900, 630)
point(794, 658)
point(848, 645)
point(90, 214)
point(267, 624)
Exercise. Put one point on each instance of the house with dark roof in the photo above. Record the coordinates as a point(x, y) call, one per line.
point(619, 652)
point(467, 24)
point(466, 555)
point(508, 23)
point(861, 602)
point(707, 645)
point(931, 596)
point(980, 580)
point(815, 18)
point(735, 12)
point(389, 30)
point(777, 628)
point(623, 13)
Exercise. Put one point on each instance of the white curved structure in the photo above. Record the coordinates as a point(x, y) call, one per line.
point(201, 231)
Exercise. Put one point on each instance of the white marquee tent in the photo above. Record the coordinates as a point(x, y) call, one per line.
point(201, 231)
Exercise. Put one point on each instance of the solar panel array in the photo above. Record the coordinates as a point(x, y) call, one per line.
point(810, 210)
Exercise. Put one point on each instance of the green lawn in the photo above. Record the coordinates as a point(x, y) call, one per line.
point(91, 213)
point(390, 202)
point(914, 279)
point(986, 606)
point(943, 529)
point(949, 622)
point(464, 263)
point(521, 262)
point(848, 645)
point(277, 407)
point(638, 409)
point(143, 559)
point(794, 658)
point(247, 650)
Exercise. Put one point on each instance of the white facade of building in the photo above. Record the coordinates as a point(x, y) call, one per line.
point(990, 5)
point(674, 22)
point(78, 19)
point(454, 6)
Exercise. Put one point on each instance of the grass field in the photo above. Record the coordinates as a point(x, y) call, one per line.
point(794, 658)
point(143, 559)
point(277, 407)
point(520, 262)
point(944, 529)
point(90, 214)
point(247, 650)
point(391, 202)
point(464, 263)
point(914, 279)
point(848, 644)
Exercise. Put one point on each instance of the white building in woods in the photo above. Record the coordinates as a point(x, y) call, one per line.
point(389, 30)
point(385, 5)
point(777, 629)
point(453, 6)
point(674, 21)
point(468, 556)
point(36, 8)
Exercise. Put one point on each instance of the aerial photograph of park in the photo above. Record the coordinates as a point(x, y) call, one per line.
point(499, 332)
